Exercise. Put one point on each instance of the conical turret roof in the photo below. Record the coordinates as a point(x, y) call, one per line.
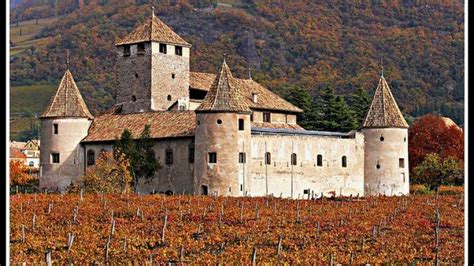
point(153, 30)
point(224, 94)
point(384, 111)
point(67, 100)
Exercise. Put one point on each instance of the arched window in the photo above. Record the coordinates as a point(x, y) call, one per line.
point(344, 161)
point(319, 160)
point(293, 159)
point(168, 98)
point(90, 157)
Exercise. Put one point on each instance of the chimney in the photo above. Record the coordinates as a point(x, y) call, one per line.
point(254, 97)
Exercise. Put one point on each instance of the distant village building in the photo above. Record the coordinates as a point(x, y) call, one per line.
point(31, 150)
point(218, 134)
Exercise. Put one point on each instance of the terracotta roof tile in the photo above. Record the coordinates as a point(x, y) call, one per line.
point(224, 94)
point(153, 30)
point(168, 124)
point(383, 111)
point(67, 100)
point(276, 126)
point(16, 154)
point(266, 99)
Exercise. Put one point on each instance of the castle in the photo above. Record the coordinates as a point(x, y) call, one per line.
point(217, 134)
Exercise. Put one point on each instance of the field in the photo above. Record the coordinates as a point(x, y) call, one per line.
point(28, 37)
point(204, 229)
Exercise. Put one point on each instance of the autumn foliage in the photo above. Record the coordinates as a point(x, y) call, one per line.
point(431, 134)
point(18, 173)
point(122, 228)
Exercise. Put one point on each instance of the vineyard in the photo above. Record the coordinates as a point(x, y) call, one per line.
point(86, 228)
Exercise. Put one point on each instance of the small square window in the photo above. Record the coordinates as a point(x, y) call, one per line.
point(241, 157)
point(266, 117)
point(212, 157)
point(55, 157)
point(179, 50)
point(241, 124)
point(141, 49)
point(401, 163)
point(55, 129)
point(126, 50)
point(162, 48)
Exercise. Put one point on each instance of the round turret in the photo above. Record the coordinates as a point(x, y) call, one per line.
point(385, 146)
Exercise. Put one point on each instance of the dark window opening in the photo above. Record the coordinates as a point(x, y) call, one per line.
point(141, 49)
point(169, 156)
point(405, 139)
point(212, 157)
point(55, 128)
point(306, 191)
point(401, 163)
point(320, 160)
point(90, 157)
point(219, 121)
point(204, 190)
point(241, 124)
point(169, 193)
point(134, 98)
point(168, 98)
point(241, 157)
point(241, 187)
point(191, 153)
point(293, 159)
point(162, 48)
point(126, 50)
point(251, 116)
point(344, 161)
point(173, 76)
point(136, 75)
point(179, 50)
point(55, 157)
point(268, 158)
point(378, 166)
point(382, 138)
point(266, 117)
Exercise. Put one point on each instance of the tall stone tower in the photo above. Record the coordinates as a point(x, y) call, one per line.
point(386, 145)
point(64, 123)
point(222, 139)
point(152, 68)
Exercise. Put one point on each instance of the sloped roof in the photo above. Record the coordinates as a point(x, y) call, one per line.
point(16, 153)
point(224, 94)
point(383, 111)
point(266, 99)
point(153, 30)
point(67, 100)
point(276, 126)
point(165, 124)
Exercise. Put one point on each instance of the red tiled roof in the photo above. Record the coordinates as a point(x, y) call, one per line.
point(168, 124)
point(16, 154)
point(266, 99)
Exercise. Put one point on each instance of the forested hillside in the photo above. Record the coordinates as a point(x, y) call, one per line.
point(290, 46)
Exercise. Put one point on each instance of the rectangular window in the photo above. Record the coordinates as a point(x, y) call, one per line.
point(126, 50)
point(241, 157)
point(169, 156)
point(55, 157)
point(293, 159)
point(178, 50)
point(266, 117)
point(401, 163)
point(212, 157)
point(162, 48)
point(191, 153)
point(55, 129)
point(251, 116)
point(141, 49)
point(344, 161)
point(320, 160)
point(268, 158)
point(241, 124)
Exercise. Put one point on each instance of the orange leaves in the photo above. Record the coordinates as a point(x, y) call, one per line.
point(18, 174)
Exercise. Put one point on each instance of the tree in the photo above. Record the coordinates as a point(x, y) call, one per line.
point(434, 171)
point(359, 103)
point(18, 173)
point(431, 134)
point(111, 174)
point(140, 154)
point(301, 98)
point(332, 113)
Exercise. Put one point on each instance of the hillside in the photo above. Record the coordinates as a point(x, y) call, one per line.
point(288, 45)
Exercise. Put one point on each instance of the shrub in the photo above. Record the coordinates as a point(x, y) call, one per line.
point(434, 172)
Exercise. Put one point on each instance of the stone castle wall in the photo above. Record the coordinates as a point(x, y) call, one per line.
point(71, 164)
point(281, 177)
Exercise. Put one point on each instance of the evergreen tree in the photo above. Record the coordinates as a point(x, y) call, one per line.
point(359, 102)
point(332, 113)
point(301, 98)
